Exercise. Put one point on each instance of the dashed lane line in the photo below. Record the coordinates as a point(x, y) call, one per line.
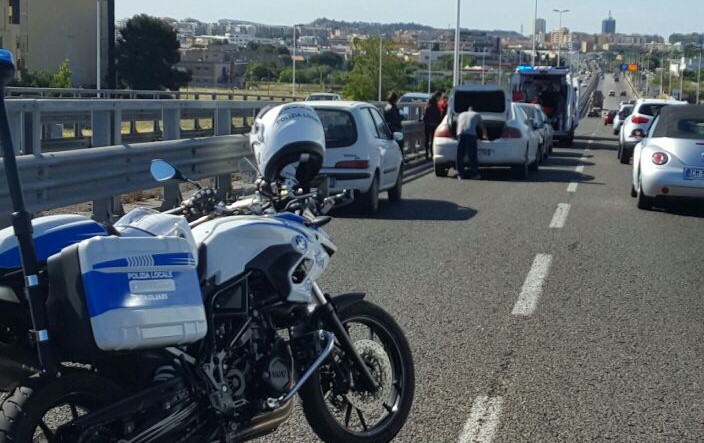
point(572, 187)
point(560, 217)
point(483, 420)
point(533, 286)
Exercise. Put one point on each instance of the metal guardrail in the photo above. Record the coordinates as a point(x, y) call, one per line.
point(28, 92)
point(109, 168)
point(38, 124)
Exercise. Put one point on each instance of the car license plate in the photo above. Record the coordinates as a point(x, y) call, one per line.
point(332, 182)
point(694, 173)
point(486, 152)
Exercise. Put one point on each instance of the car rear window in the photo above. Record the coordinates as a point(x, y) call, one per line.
point(480, 101)
point(687, 128)
point(650, 109)
point(340, 129)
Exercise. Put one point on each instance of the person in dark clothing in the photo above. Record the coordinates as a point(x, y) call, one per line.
point(469, 125)
point(393, 118)
point(432, 119)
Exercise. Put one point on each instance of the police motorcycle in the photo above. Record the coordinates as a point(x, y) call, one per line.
point(158, 330)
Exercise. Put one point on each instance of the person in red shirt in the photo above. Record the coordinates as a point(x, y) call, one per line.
point(442, 106)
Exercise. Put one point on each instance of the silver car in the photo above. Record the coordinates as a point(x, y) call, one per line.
point(669, 161)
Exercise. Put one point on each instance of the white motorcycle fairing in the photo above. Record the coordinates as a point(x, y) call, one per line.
point(292, 256)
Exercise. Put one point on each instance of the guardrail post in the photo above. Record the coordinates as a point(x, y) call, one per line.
point(16, 128)
point(172, 131)
point(222, 125)
point(32, 133)
point(117, 127)
point(106, 209)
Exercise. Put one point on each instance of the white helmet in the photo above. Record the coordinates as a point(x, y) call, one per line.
point(288, 142)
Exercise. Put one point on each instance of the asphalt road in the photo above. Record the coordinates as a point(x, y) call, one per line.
point(590, 330)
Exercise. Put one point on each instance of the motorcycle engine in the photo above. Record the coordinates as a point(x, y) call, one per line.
point(259, 365)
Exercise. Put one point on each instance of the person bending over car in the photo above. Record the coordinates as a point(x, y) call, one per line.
point(469, 123)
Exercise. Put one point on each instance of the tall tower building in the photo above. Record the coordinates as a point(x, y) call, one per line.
point(608, 26)
point(540, 26)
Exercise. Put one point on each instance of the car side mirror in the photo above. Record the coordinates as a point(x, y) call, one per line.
point(398, 136)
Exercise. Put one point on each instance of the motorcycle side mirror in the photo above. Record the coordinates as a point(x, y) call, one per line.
point(7, 67)
point(163, 171)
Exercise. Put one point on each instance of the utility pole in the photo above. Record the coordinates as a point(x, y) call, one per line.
point(381, 60)
point(699, 76)
point(455, 74)
point(293, 88)
point(98, 45)
point(499, 79)
point(430, 65)
point(483, 65)
point(662, 74)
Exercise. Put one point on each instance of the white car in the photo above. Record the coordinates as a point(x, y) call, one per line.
point(361, 152)
point(644, 111)
point(669, 161)
point(513, 141)
point(323, 96)
point(622, 114)
point(542, 126)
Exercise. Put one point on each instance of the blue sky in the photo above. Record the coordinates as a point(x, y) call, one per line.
point(632, 16)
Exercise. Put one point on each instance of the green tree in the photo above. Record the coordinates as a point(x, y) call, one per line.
point(62, 78)
point(362, 81)
point(146, 54)
point(330, 59)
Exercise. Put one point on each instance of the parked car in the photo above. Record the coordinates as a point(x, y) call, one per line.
point(323, 96)
point(669, 161)
point(612, 93)
point(512, 139)
point(622, 94)
point(541, 123)
point(594, 112)
point(414, 97)
point(609, 117)
point(644, 111)
point(361, 152)
point(624, 111)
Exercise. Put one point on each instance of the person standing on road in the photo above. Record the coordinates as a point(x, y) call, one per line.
point(393, 118)
point(432, 119)
point(469, 123)
point(442, 106)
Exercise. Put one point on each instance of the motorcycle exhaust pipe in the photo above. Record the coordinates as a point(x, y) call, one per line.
point(264, 424)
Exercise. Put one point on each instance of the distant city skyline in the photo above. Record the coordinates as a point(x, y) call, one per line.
point(649, 17)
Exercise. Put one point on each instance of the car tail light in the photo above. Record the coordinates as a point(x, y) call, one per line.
point(510, 132)
point(352, 164)
point(516, 96)
point(637, 119)
point(660, 158)
point(443, 131)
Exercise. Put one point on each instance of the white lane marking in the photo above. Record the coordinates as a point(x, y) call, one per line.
point(572, 187)
point(533, 286)
point(483, 420)
point(560, 217)
point(579, 169)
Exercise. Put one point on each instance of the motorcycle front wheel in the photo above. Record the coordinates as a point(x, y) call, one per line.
point(33, 412)
point(334, 404)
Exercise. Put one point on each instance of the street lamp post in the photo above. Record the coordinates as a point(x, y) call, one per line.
point(559, 43)
point(499, 79)
point(430, 64)
point(455, 74)
point(535, 32)
point(483, 65)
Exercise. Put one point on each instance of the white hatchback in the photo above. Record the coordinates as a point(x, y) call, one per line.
point(361, 152)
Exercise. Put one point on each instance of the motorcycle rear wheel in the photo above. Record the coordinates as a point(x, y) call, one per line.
point(335, 411)
point(33, 412)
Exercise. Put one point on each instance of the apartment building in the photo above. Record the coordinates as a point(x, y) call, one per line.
point(44, 33)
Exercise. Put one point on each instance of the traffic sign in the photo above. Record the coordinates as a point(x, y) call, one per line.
point(624, 67)
point(632, 67)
